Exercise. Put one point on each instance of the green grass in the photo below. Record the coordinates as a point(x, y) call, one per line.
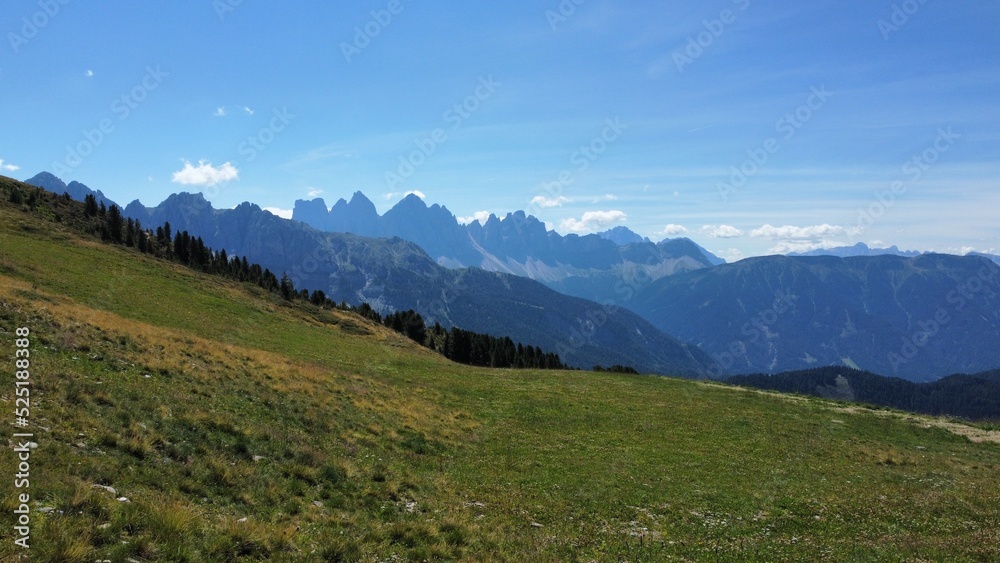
point(206, 402)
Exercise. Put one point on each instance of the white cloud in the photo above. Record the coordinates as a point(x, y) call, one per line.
point(480, 216)
point(8, 167)
point(545, 202)
point(672, 230)
point(219, 111)
point(721, 231)
point(730, 254)
point(88, 73)
point(205, 174)
point(786, 246)
point(803, 239)
point(791, 232)
point(277, 211)
point(314, 192)
point(605, 197)
point(592, 221)
point(417, 193)
point(248, 110)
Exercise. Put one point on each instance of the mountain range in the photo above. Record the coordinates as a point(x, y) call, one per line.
point(394, 274)
point(918, 318)
point(618, 298)
point(595, 267)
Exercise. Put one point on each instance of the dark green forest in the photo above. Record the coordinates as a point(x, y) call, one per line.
point(974, 397)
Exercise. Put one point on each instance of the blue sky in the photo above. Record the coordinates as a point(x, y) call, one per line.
point(872, 121)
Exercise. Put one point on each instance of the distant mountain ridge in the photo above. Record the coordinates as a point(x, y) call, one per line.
point(76, 190)
point(975, 396)
point(859, 249)
point(918, 318)
point(589, 266)
point(862, 249)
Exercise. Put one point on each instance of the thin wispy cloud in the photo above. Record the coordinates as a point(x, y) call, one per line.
point(593, 221)
point(549, 202)
point(721, 231)
point(277, 211)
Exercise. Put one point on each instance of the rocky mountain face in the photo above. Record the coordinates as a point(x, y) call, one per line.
point(623, 236)
point(76, 190)
point(594, 267)
point(918, 318)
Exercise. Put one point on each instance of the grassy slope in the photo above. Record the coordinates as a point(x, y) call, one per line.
point(333, 443)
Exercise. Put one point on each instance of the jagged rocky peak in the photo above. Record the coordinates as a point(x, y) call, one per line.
point(48, 181)
point(622, 236)
point(312, 212)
